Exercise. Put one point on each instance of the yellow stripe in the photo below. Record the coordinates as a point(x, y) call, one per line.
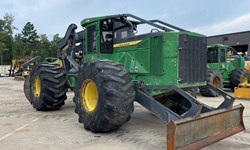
point(127, 43)
point(228, 59)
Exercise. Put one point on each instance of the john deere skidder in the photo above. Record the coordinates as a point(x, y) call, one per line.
point(110, 64)
point(226, 67)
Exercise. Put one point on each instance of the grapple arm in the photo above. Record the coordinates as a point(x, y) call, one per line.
point(67, 48)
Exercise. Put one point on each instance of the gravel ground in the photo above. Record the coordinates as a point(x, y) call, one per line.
point(24, 128)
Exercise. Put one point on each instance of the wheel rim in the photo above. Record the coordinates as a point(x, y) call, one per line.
point(89, 95)
point(36, 85)
point(216, 82)
point(244, 79)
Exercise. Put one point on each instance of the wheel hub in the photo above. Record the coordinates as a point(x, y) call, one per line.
point(89, 95)
point(244, 79)
point(36, 86)
point(216, 82)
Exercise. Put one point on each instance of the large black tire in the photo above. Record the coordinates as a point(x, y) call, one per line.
point(114, 96)
point(215, 78)
point(26, 88)
point(237, 76)
point(51, 80)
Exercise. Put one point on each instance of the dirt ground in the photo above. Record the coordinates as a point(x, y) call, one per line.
point(24, 128)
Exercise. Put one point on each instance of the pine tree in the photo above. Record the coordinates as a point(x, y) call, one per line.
point(30, 39)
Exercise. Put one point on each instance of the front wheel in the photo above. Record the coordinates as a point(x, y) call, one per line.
point(215, 78)
point(26, 88)
point(238, 76)
point(104, 96)
point(45, 87)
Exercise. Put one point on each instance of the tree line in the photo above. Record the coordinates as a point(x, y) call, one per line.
point(26, 44)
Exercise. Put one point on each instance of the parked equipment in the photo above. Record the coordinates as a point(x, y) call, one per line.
point(110, 65)
point(247, 59)
point(19, 68)
point(16, 70)
point(243, 90)
point(226, 68)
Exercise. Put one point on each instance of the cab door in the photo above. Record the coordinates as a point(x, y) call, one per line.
point(223, 64)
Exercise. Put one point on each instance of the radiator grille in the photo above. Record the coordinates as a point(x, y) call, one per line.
point(192, 59)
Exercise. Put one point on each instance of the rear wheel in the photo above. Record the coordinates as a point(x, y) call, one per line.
point(214, 77)
point(238, 76)
point(104, 96)
point(46, 87)
point(26, 88)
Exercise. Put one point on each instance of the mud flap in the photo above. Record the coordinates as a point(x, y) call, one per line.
point(206, 129)
point(243, 91)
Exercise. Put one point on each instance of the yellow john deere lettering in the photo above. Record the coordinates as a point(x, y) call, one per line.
point(126, 43)
point(229, 59)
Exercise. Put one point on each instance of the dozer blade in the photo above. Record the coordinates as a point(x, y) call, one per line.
point(243, 91)
point(206, 129)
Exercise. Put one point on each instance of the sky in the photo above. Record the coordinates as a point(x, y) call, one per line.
point(210, 17)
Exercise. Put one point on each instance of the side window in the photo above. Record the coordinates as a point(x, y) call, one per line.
point(212, 55)
point(106, 36)
point(222, 55)
point(91, 34)
point(122, 30)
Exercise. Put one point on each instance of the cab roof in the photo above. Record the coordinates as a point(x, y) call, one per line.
point(87, 21)
point(217, 45)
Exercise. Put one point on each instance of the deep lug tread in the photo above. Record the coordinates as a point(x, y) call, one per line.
point(111, 67)
point(211, 74)
point(236, 77)
point(122, 73)
point(127, 86)
point(113, 78)
point(53, 87)
point(27, 89)
point(52, 80)
point(116, 96)
point(50, 71)
point(59, 75)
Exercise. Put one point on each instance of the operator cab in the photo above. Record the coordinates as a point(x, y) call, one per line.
point(215, 55)
point(111, 30)
point(103, 33)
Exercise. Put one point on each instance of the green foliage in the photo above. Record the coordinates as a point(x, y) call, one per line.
point(19, 47)
point(53, 47)
point(44, 46)
point(6, 39)
point(26, 44)
point(29, 34)
point(2, 44)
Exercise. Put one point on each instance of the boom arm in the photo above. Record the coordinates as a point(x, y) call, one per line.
point(167, 24)
point(67, 48)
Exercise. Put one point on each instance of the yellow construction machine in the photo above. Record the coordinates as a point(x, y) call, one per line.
point(243, 90)
point(247, 59)
point(17, 70)
point(20, 69)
